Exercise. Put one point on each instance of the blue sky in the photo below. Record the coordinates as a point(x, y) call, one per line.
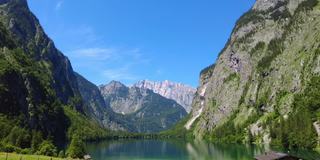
point(131, 40)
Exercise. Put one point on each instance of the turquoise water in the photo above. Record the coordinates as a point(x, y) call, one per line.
point(176, 150)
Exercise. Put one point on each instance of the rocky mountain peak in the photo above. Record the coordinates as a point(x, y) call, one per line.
point(115, 84)
point(113, 87)
point(181, 93)
point(264, 5)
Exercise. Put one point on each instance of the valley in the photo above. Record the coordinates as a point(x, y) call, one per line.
point(260, 95)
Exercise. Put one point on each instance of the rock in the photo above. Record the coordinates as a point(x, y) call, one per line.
point(141, 109)
point(288, 39)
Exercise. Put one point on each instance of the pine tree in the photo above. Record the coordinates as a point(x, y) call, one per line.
point(77, 147)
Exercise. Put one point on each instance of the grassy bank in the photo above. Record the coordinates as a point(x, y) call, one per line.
point(15, 156)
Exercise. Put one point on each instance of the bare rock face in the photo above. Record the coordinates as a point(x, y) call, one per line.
point(272, 50)
point(140, 109)
point(264, 5)
point(181, 93)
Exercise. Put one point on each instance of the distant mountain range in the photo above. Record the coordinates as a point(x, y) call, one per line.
point(141, 108)
point(181, 93)
point(42, 97)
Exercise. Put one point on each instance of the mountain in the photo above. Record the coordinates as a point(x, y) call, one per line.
point(265, 84)
point(40, 99)
point(142, 109)
point(181, 93)
point(29, 36)
point(95, 106)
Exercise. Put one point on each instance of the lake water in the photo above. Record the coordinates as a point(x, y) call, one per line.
point(176, 150)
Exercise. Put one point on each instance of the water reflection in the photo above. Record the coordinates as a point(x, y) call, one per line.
point(177, 149)
point(203, 151)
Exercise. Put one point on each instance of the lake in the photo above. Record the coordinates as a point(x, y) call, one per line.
point(177, 150)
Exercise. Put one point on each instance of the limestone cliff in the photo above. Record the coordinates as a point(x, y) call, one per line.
point(270, 60)
point(181, 93)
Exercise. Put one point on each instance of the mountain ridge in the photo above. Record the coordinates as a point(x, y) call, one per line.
point(142, 109)
point(262, 79)
point(181, 93)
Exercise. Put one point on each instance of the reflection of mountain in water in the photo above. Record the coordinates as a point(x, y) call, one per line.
point(177, 149)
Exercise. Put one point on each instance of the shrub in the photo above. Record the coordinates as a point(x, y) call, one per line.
point(10, 148)
point(47, 148)
point(297, 131)
point(232, 77)
point(259, 47)
point(26, 151)
point(77, 147)
point(36, 140)
point(19, 137)
point(61, 154)
point(307, 5)
point(251, 16)
point(275, 48)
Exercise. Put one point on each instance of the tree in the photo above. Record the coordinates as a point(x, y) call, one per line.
point(77, 147)
point(36, 140)
point(47, 148)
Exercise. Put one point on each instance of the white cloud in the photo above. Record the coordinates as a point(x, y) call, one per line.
point(59, 5)
point(94, 53)
point(120, 74)
point(88, 52)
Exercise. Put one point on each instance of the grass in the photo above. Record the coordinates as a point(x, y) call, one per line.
point(15, 156)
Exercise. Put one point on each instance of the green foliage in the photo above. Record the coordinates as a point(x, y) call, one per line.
point(26, 151)
point(251, 16)
point(307, 5)
point(275, 48)
point(244, 92)
point(244, 40)
point(18, 156)
point(61, 154)
point(77, 147)
point(47, 148)
point(281, 14)
point(260, 46)
point(212, 103)
point(5, 126)
point(5, 38)
point(310, 97)
point(81, 125)
point(38, 103)
point(231, 133)
point(18, 137)
point(36, 140)
point(208, 70)
point(232, 77)
point(9, 148)
point(178, 130)
point(298, 131)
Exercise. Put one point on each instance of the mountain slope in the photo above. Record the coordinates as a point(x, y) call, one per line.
point(181, 93)
point(39, 94)
point(264, 84)
point(95, 106)
point(142, 109)
point(26, 31)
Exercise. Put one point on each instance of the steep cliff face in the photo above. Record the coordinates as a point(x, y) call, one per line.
point(29, 35)
point(181, 93)
point(270, 59)
point(35, 78)
point(95, 106)
point(37, 84)
point(142, 110)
